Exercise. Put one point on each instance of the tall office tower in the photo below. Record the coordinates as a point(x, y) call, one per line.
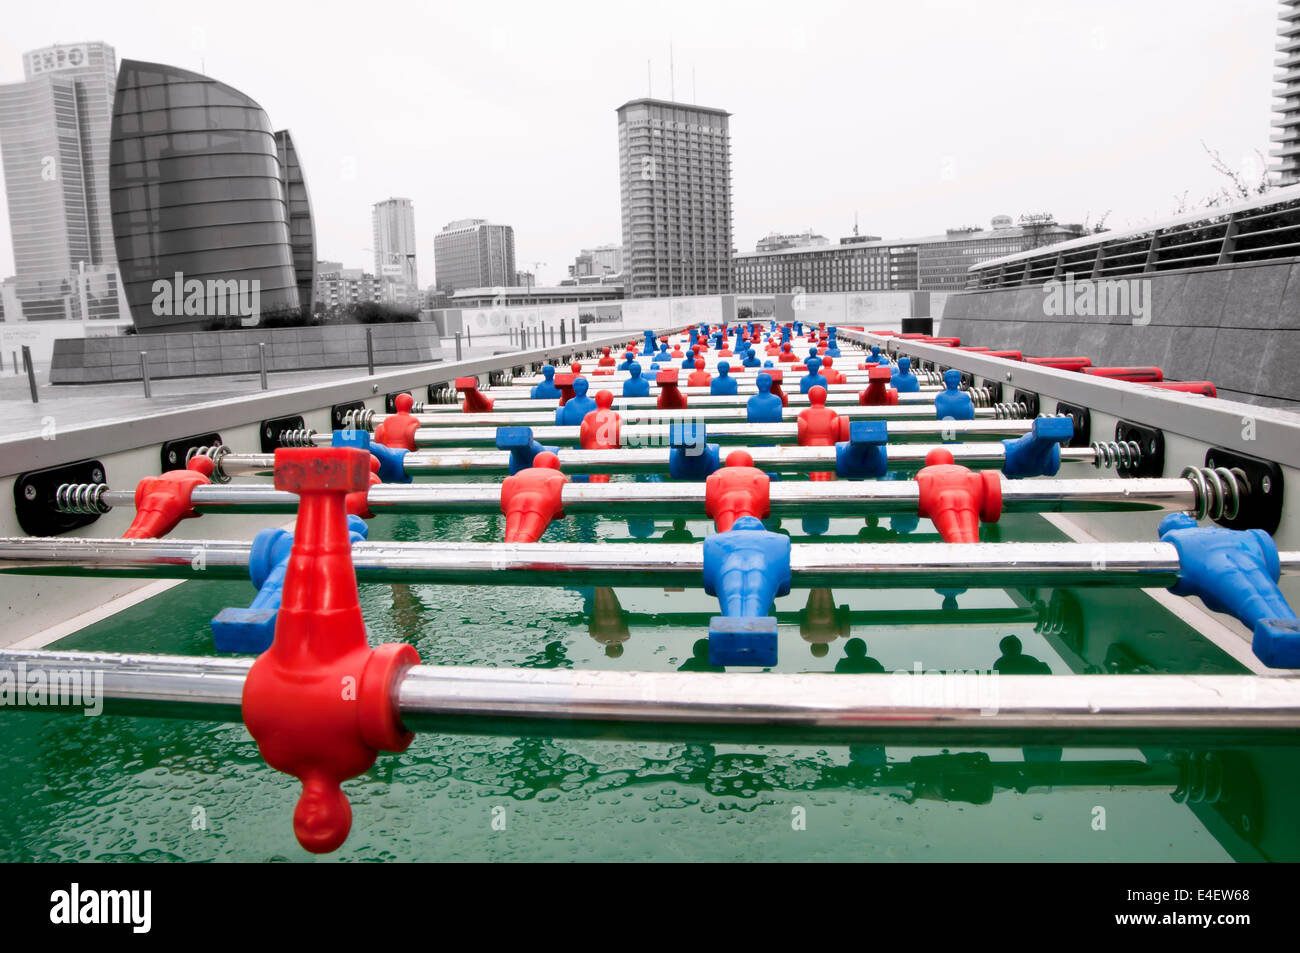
point(675, 180)
point(197, 196)
point(1286, 124)
point(394, 230)
point(54, 135)
point(302, 232)
point(472, 253)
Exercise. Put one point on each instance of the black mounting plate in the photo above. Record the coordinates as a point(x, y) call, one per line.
point(1152, 442)
point(1082, 423)
point(339, 411)
point(1027, 397)
point(174, 451)
point(34, 494)
point(1262, 507)
point(271, 430)
point(390, 405)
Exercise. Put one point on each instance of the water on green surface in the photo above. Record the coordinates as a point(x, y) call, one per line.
point(126, 788)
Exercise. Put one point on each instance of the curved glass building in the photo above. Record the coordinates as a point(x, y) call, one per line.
point(302, 233)
point(198, 202)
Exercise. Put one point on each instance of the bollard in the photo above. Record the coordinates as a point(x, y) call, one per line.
point(261, 361)
point(469, 338)
point(584, 332)
point(458, 345)
point(144, 372)
point(370, 351)
point(31, 373)
point(15, 356)
point(562, 341)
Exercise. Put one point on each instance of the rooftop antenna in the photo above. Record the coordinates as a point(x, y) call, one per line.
point(855, 223)
point(672, 75)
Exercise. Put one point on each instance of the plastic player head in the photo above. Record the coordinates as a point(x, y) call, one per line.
point(604, 399)
point(580, 386)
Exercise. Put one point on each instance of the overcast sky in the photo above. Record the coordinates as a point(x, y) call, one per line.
point(917, 115)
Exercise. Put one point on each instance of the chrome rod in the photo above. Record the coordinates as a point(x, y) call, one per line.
point(509, 404)
point(707, 414)
point(852, 565)
point(656, 435)
point(839, 707)
point(786, 498)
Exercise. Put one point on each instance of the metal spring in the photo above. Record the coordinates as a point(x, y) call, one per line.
point(1201, 778)
point(443, 394)
point(1012, 411)
point(502, 378)
point(1218, 491)
point(83, 499)
point(296, 438)
point(1123, 454)
point(981, 396)
point(928, 377)
point(359, 419)
point(215, 454)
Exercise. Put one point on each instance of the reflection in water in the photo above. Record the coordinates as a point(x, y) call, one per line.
point(679, 533)
point(1015, 662)
point(607, 622)
point(699, 660)
point(821, 622)
point(856, 661)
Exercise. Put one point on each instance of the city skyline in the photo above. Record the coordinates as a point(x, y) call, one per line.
point(811, 142)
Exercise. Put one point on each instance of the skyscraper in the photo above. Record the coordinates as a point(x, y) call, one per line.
point(675, 180)
point(197, 193)
point(54, 135)
point(472, 253)
point(394, 231)
point(1286, 122)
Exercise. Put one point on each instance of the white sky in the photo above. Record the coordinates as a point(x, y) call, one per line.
point(918, 114)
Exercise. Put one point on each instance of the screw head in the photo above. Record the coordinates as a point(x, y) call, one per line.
point(97, 475)
point(29, 492)
point(171, 456)
point(1266, 484)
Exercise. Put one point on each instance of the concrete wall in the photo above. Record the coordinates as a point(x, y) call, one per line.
point(187, 354)
point(1237, 326)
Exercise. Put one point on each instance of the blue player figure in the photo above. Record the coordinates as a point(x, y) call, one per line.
point(576, 407)
point(812, 378)
point(546, 390)
point(724, 383)
point(636, 385)
point(764, 407)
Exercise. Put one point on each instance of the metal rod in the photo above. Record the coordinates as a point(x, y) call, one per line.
point(657, 435)
point(458, 350)
point(261, 362)
point(370, 351)
point(847, 499)
point(505, 403)
point(814, 565)
point(828, 707)
point(31, 375)
point(705, 414)
point(788, 458)
point(144, 372)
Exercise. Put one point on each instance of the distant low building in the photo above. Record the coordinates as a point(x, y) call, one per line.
point(339, 288)
point(865, 263)
point(775, 241)
point(523, 295)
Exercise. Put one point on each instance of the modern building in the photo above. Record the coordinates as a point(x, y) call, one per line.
point(200, 218)
point(675, 185)
point(598, 262)
point(775, 241)
point(863, 263)
point(54, 136)
point(338, 288)
point(394, 247)
point(1286, 121)
point(474, 253)
point(302, 231)
point(499, 297)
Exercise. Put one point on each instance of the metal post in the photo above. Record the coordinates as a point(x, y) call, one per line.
point(458, 357)
point(469, 338)
point(144, 373)
point(584, 332)
point(31, 373)
point(370, 350)
point(261, 360)
point(15, 356)
point(562, 341)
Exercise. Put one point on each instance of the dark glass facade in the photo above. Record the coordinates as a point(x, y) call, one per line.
point(195, 189)
point(302, 233)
